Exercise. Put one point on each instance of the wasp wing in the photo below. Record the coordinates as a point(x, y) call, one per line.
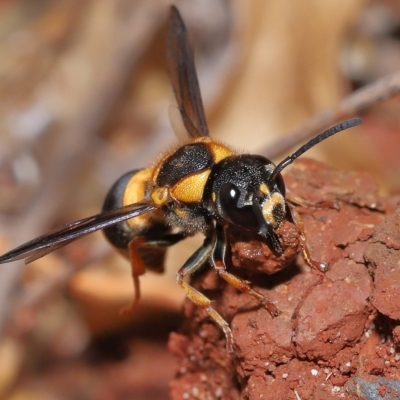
point(60, 237)
point(182, 71)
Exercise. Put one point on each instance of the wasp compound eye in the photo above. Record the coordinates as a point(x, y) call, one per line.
point(244, 216)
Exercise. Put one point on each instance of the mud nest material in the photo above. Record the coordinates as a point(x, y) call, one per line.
point(338, 333)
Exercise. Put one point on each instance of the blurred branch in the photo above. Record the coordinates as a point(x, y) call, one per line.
point(352, 105)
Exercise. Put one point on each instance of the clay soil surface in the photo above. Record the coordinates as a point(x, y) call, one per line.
point(337, 334)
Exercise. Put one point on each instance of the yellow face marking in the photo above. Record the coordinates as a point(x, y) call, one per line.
point(190, 189)
point(160, 196)
point(268, 207)
point(264, 188)
point(213, 197)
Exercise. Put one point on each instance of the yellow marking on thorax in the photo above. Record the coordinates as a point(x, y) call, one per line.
point(190, 189)
point(160, 196)
point(181, 213)
point(219, 151)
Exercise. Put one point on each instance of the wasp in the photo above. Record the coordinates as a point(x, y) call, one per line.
point(201, 186)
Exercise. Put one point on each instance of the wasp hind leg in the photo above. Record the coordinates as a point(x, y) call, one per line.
point(147, 254)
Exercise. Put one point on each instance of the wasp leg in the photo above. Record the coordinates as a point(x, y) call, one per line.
point(138, 267)
point(197, 260)
point(298, 221)
point(218, 258)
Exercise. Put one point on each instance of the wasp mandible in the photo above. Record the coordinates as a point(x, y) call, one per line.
point(202, 186)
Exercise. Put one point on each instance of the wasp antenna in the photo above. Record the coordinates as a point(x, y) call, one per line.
point(350, 123)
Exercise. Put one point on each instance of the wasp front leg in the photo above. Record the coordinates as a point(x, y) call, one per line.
point(218, 257)
point(197, 260)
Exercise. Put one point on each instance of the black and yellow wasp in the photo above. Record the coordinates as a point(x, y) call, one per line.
point(201, 186)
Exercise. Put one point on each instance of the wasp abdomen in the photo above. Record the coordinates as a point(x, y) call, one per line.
point(143, 230)
point(131, 188)
point(120, 234)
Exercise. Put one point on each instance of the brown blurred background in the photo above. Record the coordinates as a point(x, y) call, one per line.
point(84, 97)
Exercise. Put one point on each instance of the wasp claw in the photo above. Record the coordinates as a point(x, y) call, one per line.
point(272, 308)
point(320, 266)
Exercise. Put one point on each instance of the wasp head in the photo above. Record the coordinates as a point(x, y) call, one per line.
point(240, 191)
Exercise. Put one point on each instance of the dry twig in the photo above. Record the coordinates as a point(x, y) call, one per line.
point(352, 105)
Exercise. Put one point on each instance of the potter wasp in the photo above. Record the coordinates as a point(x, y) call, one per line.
point(201, 186)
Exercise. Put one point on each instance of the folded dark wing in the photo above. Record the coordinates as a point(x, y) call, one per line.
point(182, 71)
point(60, 237)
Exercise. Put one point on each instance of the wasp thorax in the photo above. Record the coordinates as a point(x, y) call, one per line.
point(238, 191)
